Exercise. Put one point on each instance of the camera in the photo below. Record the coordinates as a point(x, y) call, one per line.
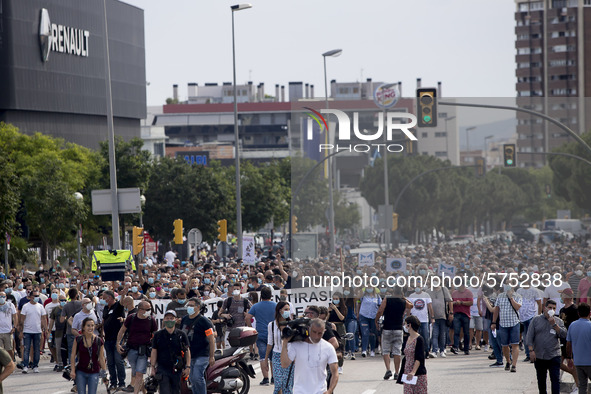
point(296, 329)
point(66, 374)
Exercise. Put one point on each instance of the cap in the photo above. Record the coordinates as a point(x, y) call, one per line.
point(170, 312)
point(568, 292)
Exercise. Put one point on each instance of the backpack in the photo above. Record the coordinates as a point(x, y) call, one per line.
point(230, 322)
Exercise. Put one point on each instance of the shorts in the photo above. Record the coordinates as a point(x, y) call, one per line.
point(6, 341)
point(262, 346)
point(508, 335)
point(392, 342)
point(476, 323)
point(138, 363)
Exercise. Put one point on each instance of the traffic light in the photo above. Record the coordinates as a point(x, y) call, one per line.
point(394, 221)
point(427, 107)
point(481, 167)
point(509, 155)
point(178, 231)
point(548, 191)
point(223, 230)
point(294, 224)
point(138, 240)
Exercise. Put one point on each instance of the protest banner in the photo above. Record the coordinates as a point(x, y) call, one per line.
point(366, 259)
point(395, 264)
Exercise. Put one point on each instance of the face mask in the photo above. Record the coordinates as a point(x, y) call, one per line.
point(336, 302)
point(244, 276)
point(42, 280)
point(88, 306)
point(63, 303)
point(283, 298)
point(250, 286)
point(207, 281)
point(166, 289)
point(190, 310)
point(54, 296)
point(225, 290)
point(158, 276)
point(158, 288)
point(2, 300)
point(194, 288)
point(182, 300)
point(370, 290)
point(20, 287)
point(359, 272)
point(506, 288)
point(36, 299)
point(184, 283)
point(346, 292)
point(285, 314)
point(206, 293)
point(405, 329)
point(551, 312)
point(417, 289)
point(44, 291)
point(236, 292)
point(422, 272)
point(169, 323)
point(589, 273)
point(134, 289)
point(152, 294)
point(118, 298)
point(105, 288)
point(578, 272)
point(102, 302)
point(260, 281)
point(147, 313)
point(150, 280)
point(62, 286)
point(8, 290)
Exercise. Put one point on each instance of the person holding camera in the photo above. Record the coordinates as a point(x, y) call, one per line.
point(199, 330)
point(283, 376)
point(310, 358)
point(141, 326)
point(89, 349)
point(170, 356)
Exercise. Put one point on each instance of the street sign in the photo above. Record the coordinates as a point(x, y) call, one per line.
point(194, 237)
point(223, 249)
point(386, 95)
point(128, 201)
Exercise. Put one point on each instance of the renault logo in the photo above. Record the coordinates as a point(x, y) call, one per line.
point(45, 36)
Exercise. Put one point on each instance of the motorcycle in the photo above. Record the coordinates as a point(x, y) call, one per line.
point(230, 374)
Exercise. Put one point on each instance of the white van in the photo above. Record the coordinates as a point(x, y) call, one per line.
point(573, 226)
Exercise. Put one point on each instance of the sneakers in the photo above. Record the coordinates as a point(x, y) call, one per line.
point(507, 367)
point(363, 354)
point(340, 370)
point(372, 354)
point(128, 389)
point(25, 369)
point(513, 369)
point(486, 347)
point(60, 368)
point(491, 356)
point(526, 359)
point(265, 382)
point(521, 346)
point(497, 365)
point(467, 352)
point(388, 375)
point(75, 390)
point(442, 354)
point(575, 390)
point(352, 356)
point(55, 367)
point(477, 347)
point(35, 370)
point(395, 376)
point(454, 350)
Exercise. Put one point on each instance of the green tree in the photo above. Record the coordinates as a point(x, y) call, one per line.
point(9, 182)
point(311, 202)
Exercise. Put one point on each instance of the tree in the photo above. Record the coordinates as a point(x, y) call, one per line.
point(311, 202)
point(9, 182)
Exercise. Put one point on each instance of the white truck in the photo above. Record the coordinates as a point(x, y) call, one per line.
point(573, 226)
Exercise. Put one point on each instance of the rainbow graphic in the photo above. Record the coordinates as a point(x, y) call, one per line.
point(317, 117)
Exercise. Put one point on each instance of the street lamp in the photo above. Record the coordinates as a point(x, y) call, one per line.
point(142, 203)
point(447, 136)
point(485, 151)
point(332, 53)
point(387, 229)
point(78, 196)
point(468, 139)
point(237, 7)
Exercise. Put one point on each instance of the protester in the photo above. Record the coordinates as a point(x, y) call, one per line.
point(283, 376)
point(264, 313)
point(32, 324)
point(462, 301)
point(368, 310)
point(578, 346)
point(414, 359)
point(113, 315)
point(88, 349)
point(506, 307)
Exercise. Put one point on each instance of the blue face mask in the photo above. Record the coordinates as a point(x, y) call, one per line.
point(336, 302)
point(150, 280)
point(20, 287)
point(190, 310)
point(103, 302)
point(8, 290)
point(42, 280)
point(260, 281)
point(244, 276)
point(54, 296)
point(285, 314)
point(2, 300)
point(207, 281)
point(225, 289)
point(63, 303)
point(134, 289)
point(251, 286)
point(44, 291)
point(158, 276)
point(165, 288)
point(62, 286)
point(346, 292)
point(152, 294)
point(182, 301)
point(36, 299)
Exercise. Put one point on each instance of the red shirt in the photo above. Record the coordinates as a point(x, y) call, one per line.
point(86, 355)
point(465, 295)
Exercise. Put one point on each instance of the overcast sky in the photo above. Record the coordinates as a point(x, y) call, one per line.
point(468, 45)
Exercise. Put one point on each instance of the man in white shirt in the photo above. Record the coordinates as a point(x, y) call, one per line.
point(87, 311)
point(310, 358)
point(532, 302)
point(32, 324)
point(169, 257)
point(552, 292)
point(422, 309)
point(8, 324)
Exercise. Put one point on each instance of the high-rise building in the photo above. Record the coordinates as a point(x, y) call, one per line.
point(553, 70)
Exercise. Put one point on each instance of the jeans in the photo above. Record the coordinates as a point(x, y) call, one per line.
point(524, 335)
point(70, 338)
point(83, 379)
point(496, 345)
point(426, 334)
point(352, 327)
point(542, 367)
point(198, 367)
point(170, 383)
point(115, 364)
point(461, 321)
point(584, 373)
point(36, 338)
point(439, 329)
point(368, 333)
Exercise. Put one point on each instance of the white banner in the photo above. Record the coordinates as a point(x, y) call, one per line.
point(394, 264)
point(366, 259)
point(248, 250)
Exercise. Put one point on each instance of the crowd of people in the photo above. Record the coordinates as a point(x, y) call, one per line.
point(95, 329)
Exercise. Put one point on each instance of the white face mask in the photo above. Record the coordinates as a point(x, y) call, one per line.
point(236, 292)
point(147, 313)
point(405, 329)
point(551, 312)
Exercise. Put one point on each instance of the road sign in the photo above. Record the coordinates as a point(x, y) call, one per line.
point(386, 95)
point(223, 249)
point(195, 237)
point(128, 200)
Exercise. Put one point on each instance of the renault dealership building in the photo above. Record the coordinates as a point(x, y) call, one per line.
point(53, 69)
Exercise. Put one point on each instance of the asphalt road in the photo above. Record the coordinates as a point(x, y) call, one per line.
point(455, 374)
